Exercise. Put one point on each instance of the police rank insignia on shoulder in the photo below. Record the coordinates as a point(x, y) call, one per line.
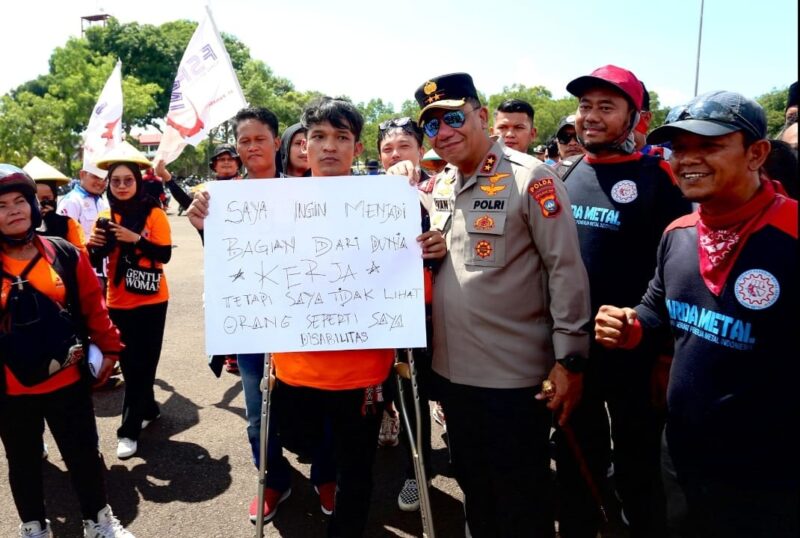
point(544, 192)
point(488, 163)
point(493, 188)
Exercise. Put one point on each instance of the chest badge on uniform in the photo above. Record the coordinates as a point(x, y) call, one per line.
point(493, 188)
point(484, 249)
point(544, 192)
point(624, 192)
point(484, 223)
point(757, 289)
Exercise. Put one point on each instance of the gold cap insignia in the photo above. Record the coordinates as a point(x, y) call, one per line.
point(429, 87)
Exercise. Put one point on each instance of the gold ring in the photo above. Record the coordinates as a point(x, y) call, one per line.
point(548, 389)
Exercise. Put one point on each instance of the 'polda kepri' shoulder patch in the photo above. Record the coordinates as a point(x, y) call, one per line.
point(544, 192)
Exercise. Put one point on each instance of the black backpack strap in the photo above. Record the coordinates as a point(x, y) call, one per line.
point(65, 263)
point(20, 279)
point(571, 168)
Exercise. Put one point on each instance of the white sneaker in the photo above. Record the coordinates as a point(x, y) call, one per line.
point(126, 448)
point(106, 526)
point(390, 430)
point(33, 529)
point(408, 500)
point(146, 423)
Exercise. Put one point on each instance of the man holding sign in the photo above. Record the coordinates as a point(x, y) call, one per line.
point(319, 392)
point(341, 388)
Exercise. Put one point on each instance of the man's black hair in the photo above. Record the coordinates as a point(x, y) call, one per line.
point(258, 113)
point(552, 148)
point(781, 165)
point(645, 98)
point(516, 105)
point(338, 112)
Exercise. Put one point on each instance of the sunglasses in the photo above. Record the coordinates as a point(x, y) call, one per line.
point(711, 111)
point(396, 122)
point(118, 182)
point(454, 119)
point(565, 137)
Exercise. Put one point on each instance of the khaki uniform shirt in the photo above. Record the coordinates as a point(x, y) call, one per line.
point(512, 294)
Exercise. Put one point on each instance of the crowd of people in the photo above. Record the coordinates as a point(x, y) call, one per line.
point(622, 305)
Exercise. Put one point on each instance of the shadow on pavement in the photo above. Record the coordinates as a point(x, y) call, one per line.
point(170, 470)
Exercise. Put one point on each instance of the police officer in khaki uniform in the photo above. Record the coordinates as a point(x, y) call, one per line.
point(510, 301)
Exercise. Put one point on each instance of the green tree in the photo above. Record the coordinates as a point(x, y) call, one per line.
point(547, 111)
point(659, 112)
point(31, 125)
point(774, 104)
point(46, 117)
point(152, 54)
point(374, 112)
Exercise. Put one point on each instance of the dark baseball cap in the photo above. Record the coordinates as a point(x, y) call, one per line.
point(566, 121)
point(612, 76)
point(446, 91)
point(224, 148)
point(713, 114)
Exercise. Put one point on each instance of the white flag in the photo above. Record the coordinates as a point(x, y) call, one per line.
point(104, 131)
point(205, 93)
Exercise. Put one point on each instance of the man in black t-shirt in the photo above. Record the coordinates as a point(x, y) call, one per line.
point(621, 201)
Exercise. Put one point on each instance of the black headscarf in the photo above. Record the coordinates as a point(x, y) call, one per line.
point(133, 212)
point(286, 146)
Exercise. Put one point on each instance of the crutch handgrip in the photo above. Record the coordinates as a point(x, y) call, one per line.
point(271, 383)
point(402, 369)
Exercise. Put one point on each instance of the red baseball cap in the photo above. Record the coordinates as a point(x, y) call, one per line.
point(610, 75)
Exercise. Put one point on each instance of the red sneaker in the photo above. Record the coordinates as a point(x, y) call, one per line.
point(231, 364)
point(272, 498)
point(327, 497)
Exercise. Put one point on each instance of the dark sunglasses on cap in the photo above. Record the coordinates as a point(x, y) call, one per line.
point(710, 110)
point(454, 119)
point(396, 122)
point(565, 137)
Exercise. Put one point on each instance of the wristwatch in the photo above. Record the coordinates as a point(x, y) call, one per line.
point(574, 362)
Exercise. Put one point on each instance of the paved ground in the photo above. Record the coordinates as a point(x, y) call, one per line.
point(192, 476)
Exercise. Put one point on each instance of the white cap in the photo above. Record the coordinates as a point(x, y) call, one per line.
point(92, 169)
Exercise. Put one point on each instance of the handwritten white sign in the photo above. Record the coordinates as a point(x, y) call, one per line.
point(313, 264)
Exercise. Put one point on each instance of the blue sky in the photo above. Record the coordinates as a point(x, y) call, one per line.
point(386, 49)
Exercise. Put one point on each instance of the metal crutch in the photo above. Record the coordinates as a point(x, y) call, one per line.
point(409, 371)
point(267, 385)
